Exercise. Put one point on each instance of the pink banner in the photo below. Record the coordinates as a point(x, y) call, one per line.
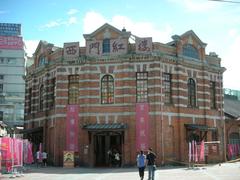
point(72, 128)
point(142, 126)
point(11, 42)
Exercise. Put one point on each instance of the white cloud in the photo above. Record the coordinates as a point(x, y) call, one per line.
point(94, 20)
point(31, 46)
point(72, 11)
point(196, 5)
point(52, 24)
point(72, 20)
point(231, 61)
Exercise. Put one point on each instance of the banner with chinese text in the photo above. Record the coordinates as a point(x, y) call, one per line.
point(142, 126)
point(72, 128)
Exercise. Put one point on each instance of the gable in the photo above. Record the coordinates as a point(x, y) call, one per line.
point(190, 37)
point(107, 31)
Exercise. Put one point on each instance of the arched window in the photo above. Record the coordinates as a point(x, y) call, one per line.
point(190, 51)
point(41, 100)
point(42, 60)
point(107, 89)
point(106, 46)
point(191, 92)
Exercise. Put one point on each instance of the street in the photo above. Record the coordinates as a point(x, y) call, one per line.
point(227, 171)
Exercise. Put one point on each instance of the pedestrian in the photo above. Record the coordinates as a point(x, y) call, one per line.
point(151, 157)
point(44, 157)
point(117, 159)
point(38, 157)
point(110, 156)
point(141, 164)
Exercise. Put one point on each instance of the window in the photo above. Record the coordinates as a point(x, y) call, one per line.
point(73, 89)
point(167, 88)
point(214, 136)
point(142, 86)
point(41, 98)
point(53, 90)
point(212, 95)
point(42, 61)
point(1, 88)
point(30, 100)
point(190, 51)
point(1, 77)
point(1, 115)
point(107, 89)
point(191, 92)
point(106, 46)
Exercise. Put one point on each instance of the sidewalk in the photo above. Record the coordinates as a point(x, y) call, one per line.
point(227, 171)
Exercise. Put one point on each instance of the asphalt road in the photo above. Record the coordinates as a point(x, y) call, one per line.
point(227, 171)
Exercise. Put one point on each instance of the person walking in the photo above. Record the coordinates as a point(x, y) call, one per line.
point(44, 157)
point(38, 157)
point(151, 157)
point(141, 163)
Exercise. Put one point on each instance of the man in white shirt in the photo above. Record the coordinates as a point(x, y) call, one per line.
point(44, 157)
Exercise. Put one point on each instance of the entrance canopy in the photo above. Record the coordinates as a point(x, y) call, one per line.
point(200, 127)
point(105, 127)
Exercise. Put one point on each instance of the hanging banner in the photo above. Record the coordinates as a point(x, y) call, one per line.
point(72, 128)
point(144, 45)
point(71, 50)
point(142, 126)
point(94, 48)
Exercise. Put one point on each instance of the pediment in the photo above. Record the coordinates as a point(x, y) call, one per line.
point(42, 47)
point(190, 37)
point(107, 31)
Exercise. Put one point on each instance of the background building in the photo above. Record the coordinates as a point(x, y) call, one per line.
point(232, 119)
point(12, 70)
point(113, 94)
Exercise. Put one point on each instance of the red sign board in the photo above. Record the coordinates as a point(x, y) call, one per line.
point(11, 42)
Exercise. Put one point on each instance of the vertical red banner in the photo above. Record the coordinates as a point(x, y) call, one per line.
point(72, 128)
point(142, 126)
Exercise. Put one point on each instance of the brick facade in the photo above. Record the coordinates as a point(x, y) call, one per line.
point(168, 134)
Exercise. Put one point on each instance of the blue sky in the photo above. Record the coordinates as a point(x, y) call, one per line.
point(59, 21)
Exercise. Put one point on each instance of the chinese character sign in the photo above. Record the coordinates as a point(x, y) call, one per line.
point(72, 128)
point(71, 50)
point(142, 126)
point(143, 45)
point(94, 48)
point(118, 46)
point(11, 42)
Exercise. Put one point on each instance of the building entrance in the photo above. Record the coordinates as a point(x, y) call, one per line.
point(108, 148)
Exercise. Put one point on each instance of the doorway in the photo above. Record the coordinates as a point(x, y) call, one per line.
point(104, 144)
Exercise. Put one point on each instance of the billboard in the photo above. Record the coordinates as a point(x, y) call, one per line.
point(9, 29)
point(11, 42)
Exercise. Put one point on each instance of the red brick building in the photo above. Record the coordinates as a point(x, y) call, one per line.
point(174, 89)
